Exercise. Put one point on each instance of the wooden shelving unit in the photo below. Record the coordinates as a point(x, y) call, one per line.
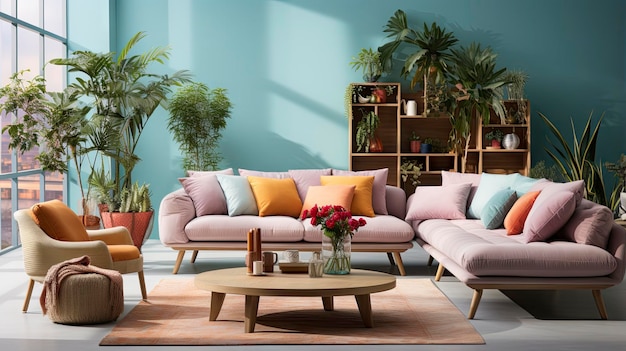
point(396, 127)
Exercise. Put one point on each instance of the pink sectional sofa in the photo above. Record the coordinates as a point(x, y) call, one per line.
point(208, 213)
point(556, 241)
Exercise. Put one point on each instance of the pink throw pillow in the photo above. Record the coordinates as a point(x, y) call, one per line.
point(206, 194)
point(305, 178)
point(444, 202)
point(590, 224)
point(548, 214)
point(449, 178)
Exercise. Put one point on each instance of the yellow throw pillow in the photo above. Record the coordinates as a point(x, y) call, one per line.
point(362, 200)
point(329, 195)
point(58, 221)
point(275, 197)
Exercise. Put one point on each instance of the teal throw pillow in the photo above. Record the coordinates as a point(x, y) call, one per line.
point(497, 207)
point(522, 184)
point(239, 197)
point(489, 185)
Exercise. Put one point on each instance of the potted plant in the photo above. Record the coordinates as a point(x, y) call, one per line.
point(369, 62)
point(619, 168)
point(494, 138)
point(427, 146)
point(410, 170)
point(123, 94)
point(429, 61)
point(515, 84)
point(197, 117)
point(415, 142)
point(366, 138)
point(54, 122)
point(478, 85)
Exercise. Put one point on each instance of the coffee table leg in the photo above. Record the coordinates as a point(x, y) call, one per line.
point(217, 299)
point(252, 307)
point(328, 303)
point(365, 307)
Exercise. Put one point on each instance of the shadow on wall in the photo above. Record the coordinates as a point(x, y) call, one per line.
point(292, 155)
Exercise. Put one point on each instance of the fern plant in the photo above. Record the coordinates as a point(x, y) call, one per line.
point(366, 129)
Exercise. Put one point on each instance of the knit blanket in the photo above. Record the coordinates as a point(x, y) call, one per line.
point(81, 265)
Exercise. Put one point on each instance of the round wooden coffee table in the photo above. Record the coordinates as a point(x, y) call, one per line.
point(360, 283)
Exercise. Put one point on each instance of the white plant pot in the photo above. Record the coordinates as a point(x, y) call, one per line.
point(510, 141)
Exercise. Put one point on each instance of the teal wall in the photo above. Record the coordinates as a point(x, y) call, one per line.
point(285, 65)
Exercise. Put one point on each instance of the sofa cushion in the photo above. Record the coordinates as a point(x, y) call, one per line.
point(448, 178)
point(239, 197)
point(548, 188)
point(275, 196)
point(522, 184)
point(329, 195)
point(548, 214)
point(484, 252)
point(306, 178)
point(514, 220)
point(446, 202)
point(589, 224)
point(58, 221)
point(489, 185)
point(276, 175)
point(379, 229)
point(226, 228)
point(228, 171)
point(379, 202)
point(497, 207)
point(206, 194)
point(362, 200)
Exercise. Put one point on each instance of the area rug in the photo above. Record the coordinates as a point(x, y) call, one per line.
point(177, 313)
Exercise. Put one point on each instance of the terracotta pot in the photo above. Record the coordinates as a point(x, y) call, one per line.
point(416, 145)
point(495, 144)
point(139, 224)
point(90, 222)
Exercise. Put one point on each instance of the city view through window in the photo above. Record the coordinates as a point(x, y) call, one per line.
point(32, 32)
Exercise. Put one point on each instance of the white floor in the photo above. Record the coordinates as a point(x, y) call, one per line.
point(565, 320)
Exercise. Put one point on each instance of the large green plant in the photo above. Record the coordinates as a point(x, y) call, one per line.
point(366, 130)
point(578, 161)
point(369, 62)
point(197, 117)
point(479, 85)
point(432, 46)
point(123, 94)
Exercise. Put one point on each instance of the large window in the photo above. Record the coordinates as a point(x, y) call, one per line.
point(32, 32)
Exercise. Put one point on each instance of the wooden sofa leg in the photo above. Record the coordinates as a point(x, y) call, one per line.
point(439, 274)
point(390, 258)
point(142, 285)
point(597, 296)
point(194, 256)
point(430, 261)
point(179, 261)
point(29, 293)
point(478, 293)
point(399, 263)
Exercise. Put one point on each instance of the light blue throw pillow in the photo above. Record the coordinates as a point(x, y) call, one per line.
point(489, 185)
point(497, 207)
point(239, 197)
point(522, 184)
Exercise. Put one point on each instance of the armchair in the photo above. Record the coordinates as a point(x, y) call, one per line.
point(107, 248)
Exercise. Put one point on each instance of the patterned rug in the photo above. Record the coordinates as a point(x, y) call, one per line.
point(177, 313)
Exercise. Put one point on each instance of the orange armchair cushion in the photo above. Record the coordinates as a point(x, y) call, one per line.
point(58, 221)
point(123, 252)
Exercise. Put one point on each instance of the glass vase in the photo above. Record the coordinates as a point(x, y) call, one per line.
point(336, 254)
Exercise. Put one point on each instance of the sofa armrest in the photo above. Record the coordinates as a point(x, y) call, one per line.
point(617, 247)
point(175, 211)
point(396, 201)
point(112, 236)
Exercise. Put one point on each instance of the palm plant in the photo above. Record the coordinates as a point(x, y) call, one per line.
point(369, 62)
point(577, 162)
point(479, 86)
point(123, 96)
point(432, 45)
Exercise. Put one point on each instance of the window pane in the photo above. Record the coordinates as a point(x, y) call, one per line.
point(7, 43)
point(28, 191)
point(54, 186)
point(5, 157)
point(54, 74)
point(29, 11)
point(7, 213)
point(8, 7)
point(28, 52)
point(54, 16)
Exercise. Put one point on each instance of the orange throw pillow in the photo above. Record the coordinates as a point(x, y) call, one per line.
point(362, 200)
point(514, 220)
point(58, 221)
point(329, 195)
point(275, 197)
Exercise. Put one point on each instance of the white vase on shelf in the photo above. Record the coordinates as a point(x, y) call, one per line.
point(510, 141)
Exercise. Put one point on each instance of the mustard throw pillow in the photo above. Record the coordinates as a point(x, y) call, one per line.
point(362, 200)
point(58, 221)
point(275, 197)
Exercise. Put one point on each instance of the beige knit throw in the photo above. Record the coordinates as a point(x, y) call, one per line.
point(80, 265)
